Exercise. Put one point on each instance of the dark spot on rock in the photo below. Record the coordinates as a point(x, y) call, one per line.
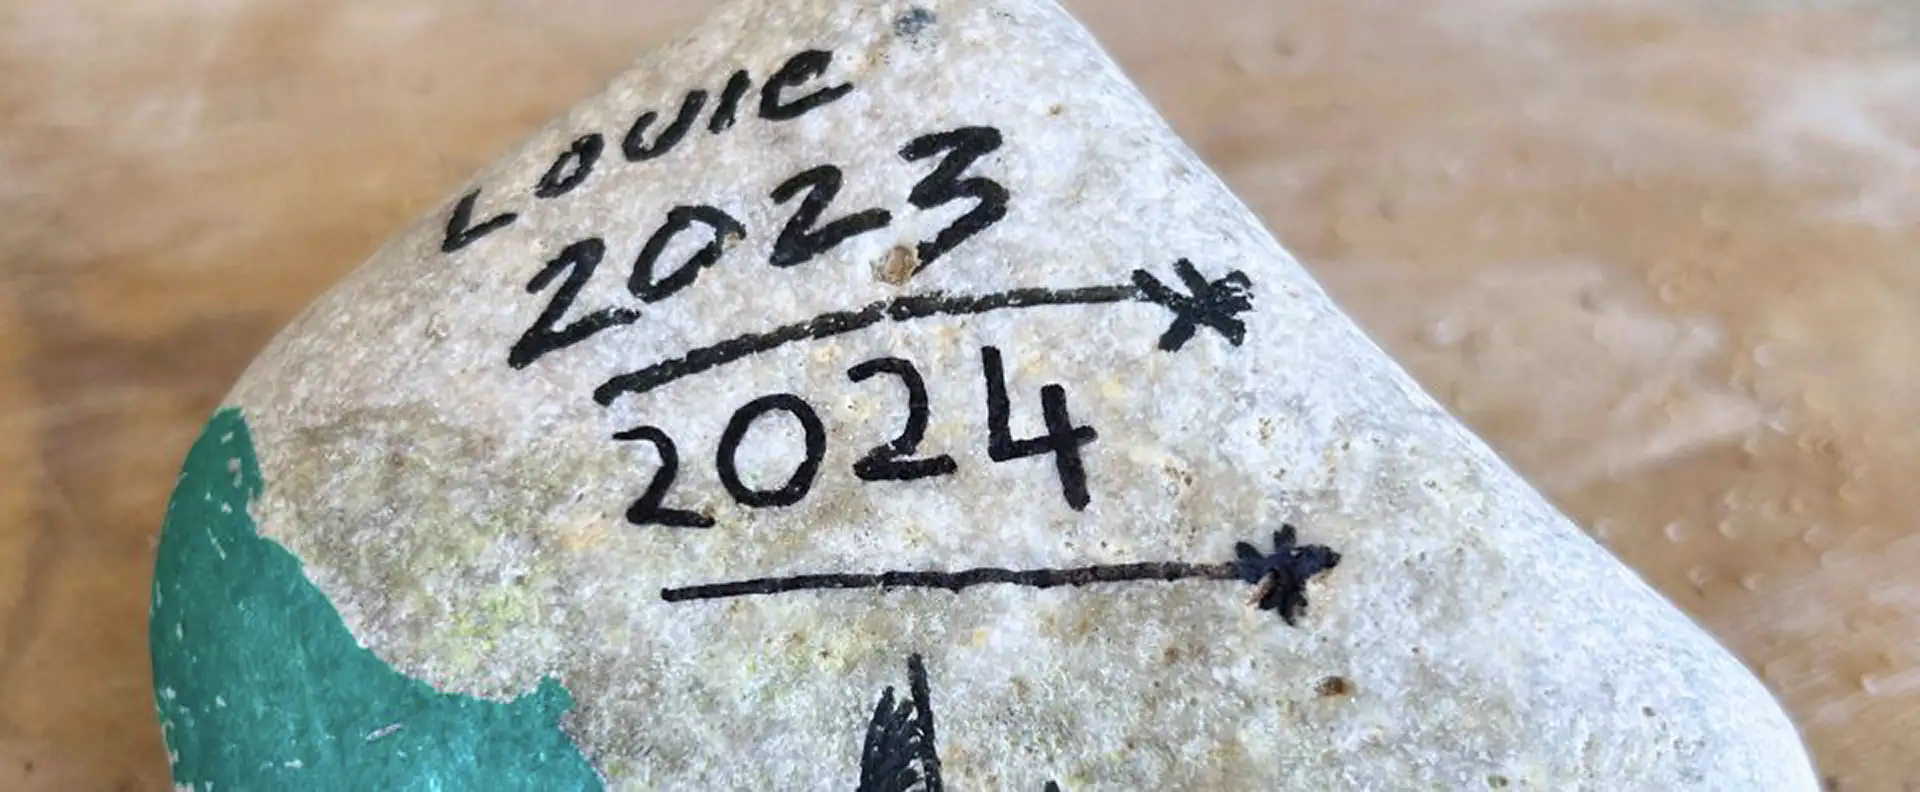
point(1333, 686)
point(27, 767)
point(1178, 477)
point(899, 264)
point(1389, 211)
point(1170, 655)
point(909, 25)
point(1057, 110)
point(1647, 711)
point(1831, 783)
point(1497, 781)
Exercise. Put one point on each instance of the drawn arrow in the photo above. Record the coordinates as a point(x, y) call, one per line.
point(1279, 577)
point(1216, 304)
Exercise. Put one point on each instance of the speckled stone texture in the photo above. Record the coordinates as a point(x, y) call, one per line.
point(454, 440)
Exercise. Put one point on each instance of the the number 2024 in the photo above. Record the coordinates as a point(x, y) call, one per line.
point(895, 460)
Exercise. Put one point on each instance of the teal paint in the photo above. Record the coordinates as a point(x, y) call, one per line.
point(259, 685)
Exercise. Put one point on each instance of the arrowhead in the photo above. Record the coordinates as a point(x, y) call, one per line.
point(1282, 575)
point(1214, 303)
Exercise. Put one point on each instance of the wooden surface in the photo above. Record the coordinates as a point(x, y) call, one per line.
point(1665, 256)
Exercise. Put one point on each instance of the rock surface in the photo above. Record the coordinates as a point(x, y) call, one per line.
point(829, 290)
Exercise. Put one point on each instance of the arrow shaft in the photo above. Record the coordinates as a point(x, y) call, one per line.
point(1043, 578)
point(900, 309)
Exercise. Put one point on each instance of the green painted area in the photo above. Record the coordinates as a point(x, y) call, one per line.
point(259, 684)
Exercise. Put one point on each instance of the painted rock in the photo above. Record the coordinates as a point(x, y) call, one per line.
point(877, 395)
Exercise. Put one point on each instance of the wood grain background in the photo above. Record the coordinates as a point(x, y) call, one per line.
point(1664, 255)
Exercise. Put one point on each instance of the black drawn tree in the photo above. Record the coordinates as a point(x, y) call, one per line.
point(899, 754)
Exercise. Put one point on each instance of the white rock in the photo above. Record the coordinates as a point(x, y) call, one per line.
point(468, 517)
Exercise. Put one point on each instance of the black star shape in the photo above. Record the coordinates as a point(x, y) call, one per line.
point(1283, 574)
point(1214, 303)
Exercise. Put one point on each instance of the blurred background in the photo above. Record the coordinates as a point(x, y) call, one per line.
point(1664, 255)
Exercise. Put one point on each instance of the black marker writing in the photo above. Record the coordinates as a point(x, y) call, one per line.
point(1217, 305)
point(572, 167)
point(1063, 439)
point(890, 462)
point(462, 231)
point(807, 234)
point(730, 96)
point(798, 71)
point(957, 150)
point(804, 237)
point(797, 485)
point(578, 261)
point(1280, 577)
point(893, 461)
point(900, 753)
point(721, 229)
point(635, 145)
point(649, 508)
